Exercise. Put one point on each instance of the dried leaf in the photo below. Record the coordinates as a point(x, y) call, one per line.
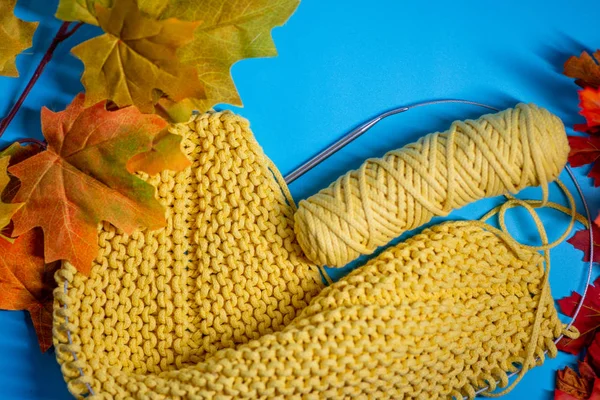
point(585, 150)
point(85, 10)
point(26, 283)
point(588, 320)
point(570, 383)
point(590, 106)
point(585, 69)
point(135, 61)
point(82, 180)
point(15, 36)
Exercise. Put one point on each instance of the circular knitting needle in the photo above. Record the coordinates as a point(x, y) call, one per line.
point(358, 131)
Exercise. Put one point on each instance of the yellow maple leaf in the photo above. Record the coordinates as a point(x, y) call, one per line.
point(6, 209)
point(80, 10)
point(15, 152)
point(134, 62)
point(15, 36)
point(230, 31)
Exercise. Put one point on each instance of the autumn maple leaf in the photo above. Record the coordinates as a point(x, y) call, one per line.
point(228, 31)
point(590, 130)
point(584, 384)
point(26, 282)
point(585, 150)
point(590, 106)
point(82, 179)
point(588, 320)
point(584, 69)
point(135, 61)
point(9, 185)
point(7, 209)
point(569, 385)
point(581, 240)
point(80, 10)
point(165, 154)
point(231, 31)
point(16, 35)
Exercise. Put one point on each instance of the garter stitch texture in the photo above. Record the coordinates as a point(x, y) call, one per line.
point(495, 154)
point(221, 303)
point(449, 311)
point(226, 269)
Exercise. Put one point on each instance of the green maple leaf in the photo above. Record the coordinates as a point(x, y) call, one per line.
point(15, 36)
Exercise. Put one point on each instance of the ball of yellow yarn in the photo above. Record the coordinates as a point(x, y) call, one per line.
point(366, 208)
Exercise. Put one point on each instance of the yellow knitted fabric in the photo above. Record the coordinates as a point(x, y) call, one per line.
point(444, 313)
point(496, 154)
point(222, 304)
point(226, 269)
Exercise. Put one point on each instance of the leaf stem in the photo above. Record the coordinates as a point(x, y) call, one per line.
point(63, 34)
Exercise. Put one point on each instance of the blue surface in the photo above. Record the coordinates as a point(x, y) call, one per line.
point(340, 63)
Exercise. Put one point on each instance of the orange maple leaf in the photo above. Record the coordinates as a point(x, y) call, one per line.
point(570, 385)
point(589, 102)
point(584, 69)
point(26, 282)
point(165, 154)
point(82, 180)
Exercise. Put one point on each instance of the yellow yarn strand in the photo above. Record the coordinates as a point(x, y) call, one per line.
point(290, 200)
point(533, 354)
point(496, 154)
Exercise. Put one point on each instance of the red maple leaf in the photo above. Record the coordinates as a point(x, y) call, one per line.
point(588, 320)
point(594, 130)
point(585, 150)
point(581, 240)
point(589, 102)
point(582, 385)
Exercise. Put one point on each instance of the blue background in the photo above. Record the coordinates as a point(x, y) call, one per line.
point(341, 62)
